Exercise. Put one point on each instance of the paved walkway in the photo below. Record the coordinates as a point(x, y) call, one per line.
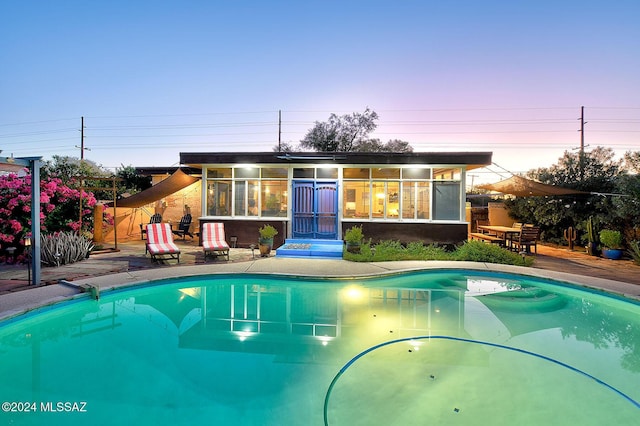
point(130, 265)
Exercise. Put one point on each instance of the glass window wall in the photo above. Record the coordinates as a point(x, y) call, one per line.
point(246, 195)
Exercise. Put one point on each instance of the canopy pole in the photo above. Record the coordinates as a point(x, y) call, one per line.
point(35, 221)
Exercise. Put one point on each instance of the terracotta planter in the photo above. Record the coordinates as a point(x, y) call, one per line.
point(265, 245)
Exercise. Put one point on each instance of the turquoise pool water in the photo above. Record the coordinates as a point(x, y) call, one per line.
point(438, 347)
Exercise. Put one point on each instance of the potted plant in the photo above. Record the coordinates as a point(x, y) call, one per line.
point(612, 242)
point(265, 242)
point(353, 239)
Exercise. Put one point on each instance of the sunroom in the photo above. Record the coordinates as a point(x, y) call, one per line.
point(312, 195)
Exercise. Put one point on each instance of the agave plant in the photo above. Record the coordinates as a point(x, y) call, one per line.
point(634, 251)
point(63, 248)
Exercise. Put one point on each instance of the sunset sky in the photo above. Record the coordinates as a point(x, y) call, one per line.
point(156, 78)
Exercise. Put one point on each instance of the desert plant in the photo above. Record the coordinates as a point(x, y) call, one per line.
point(634, 251)
point(570, 236)
point(592, 237)
point(63, 248)
point(611, 239)
point(267, 232)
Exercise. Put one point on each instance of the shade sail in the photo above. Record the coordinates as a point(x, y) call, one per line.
point(168, 186)
point(522, 187)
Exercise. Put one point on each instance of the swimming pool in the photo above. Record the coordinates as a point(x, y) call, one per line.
point(433, 347)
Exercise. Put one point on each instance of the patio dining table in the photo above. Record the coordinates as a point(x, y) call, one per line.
point(507, 233)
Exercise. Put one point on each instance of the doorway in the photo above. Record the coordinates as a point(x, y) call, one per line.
point(315, 210)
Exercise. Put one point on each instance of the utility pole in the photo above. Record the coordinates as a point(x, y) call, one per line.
point(279, 130)
point(82, 138)
point(581, 158)
point(582, 129)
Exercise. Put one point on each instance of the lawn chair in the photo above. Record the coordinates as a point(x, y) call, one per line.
point(528, 238)
point(156, 218)
point(213, 241)
point(160, 242)
point(183, 227)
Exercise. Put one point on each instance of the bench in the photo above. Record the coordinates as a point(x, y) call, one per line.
point(486, 237)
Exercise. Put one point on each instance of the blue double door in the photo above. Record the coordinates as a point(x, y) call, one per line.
point(315, 210)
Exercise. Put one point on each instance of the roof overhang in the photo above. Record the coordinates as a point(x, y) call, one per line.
point(471, 159)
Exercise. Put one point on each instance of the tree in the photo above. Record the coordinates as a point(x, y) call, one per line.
point(594, 171)
point(627, 206)
point(286, 147)
point(340, 133)
point(70, 168)
point(375, 145)
point(132, 182)
point(345, 134)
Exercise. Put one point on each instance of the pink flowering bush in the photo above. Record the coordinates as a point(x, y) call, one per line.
point(59, 210)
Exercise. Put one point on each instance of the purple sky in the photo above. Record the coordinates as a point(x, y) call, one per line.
point(154, 78)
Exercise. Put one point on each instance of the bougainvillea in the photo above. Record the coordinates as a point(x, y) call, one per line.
point(59, 209)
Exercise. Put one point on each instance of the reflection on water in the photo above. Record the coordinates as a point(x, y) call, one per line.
point(249, 347)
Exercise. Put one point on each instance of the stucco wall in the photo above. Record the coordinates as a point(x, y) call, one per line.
point(172, 208)
point(498, 215)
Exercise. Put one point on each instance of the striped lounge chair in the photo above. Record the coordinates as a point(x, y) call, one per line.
point(160, 242)
point(213, 240)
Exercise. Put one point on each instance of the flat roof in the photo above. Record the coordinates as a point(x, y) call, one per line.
point(471, 159)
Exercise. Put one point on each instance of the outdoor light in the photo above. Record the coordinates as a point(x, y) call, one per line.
point(27, 246)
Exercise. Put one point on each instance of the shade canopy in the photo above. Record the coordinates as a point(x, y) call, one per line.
point(522, 187)
point(177, 181)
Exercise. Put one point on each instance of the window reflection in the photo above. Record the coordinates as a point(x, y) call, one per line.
point(274, 198)
point(356, 199)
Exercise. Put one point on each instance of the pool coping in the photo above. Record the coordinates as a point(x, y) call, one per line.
point(15, 304)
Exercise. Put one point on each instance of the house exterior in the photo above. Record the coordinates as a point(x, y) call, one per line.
point(319, 195)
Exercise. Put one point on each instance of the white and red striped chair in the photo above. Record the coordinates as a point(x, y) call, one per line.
point(213, 240)
point(160, 242)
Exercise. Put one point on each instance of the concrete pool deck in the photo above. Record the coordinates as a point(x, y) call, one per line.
point(129, 266)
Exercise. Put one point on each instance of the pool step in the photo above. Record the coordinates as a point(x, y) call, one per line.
point(309, 248)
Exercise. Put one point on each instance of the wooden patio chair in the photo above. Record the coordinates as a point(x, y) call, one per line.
point(213, 240)
point(156, 218)
point(483, 222)
point(528, 238)
point(183, 227)
point(160, 242)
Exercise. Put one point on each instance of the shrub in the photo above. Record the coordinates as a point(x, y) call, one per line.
point(267, 232)
point(59, 205)
point(63, 248)
point(611, 239)
point(475, 251)
point(354, 235)
point(634, 251)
